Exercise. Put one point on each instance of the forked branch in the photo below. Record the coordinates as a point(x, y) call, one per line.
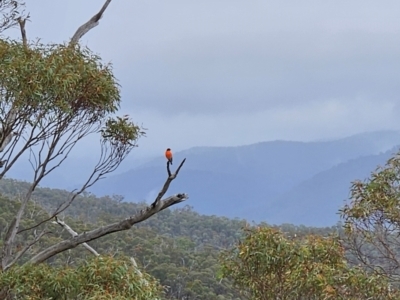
point(168, 182)
point(74, 233)
point(157, 206)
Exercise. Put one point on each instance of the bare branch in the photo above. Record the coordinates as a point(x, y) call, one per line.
point(168, 182)
point(105, 230)
point(109, 160)
point(94, 252)
point(168, 169)
point(61, 127)
point(14, 226)
point(157, 206)
point(74, 233)
point(93, 22)
point(23, 31)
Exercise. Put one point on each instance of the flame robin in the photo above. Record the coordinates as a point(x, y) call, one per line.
point(168, 155)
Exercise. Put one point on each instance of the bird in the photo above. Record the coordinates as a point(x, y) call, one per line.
point(168, 155)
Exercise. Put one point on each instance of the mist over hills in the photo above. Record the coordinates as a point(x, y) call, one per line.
point(276, 182)
point(314, 200)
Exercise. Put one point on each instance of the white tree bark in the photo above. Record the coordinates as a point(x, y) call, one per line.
point(74, 233)
point(93, 22)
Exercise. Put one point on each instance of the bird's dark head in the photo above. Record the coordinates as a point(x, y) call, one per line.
point(168, 149)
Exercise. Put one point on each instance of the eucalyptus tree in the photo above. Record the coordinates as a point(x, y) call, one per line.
point(53, 97)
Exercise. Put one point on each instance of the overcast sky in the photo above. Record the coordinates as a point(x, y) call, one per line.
point(229, 72)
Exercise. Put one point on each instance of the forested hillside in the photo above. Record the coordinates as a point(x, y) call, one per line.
point(179, 247)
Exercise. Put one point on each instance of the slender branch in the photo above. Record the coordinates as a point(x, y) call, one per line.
point(39, 173)
point(14, 226)
point(26, 248)
point(168, 182)
point(107, 163)
point(168, 169)
point(32, 138)
point(93, 22)
point(74, 233)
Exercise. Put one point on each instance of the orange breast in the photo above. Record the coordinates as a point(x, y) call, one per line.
point(168, 154)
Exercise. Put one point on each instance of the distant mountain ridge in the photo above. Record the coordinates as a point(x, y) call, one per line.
point(313, 200)
point(275, 182)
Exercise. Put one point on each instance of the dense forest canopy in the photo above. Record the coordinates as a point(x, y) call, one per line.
point(178, 247)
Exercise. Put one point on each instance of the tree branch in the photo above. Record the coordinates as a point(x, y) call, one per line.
point(157, 206)
point(26, 248)
point(23, 31)
point(74, 233)
point(105, 230)
point(168, 169)
point(12, 230)
point(93, 22)
point(168, 182)
point(6, 130)
point(94, 252)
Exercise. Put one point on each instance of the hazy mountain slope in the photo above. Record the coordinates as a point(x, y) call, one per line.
point(316, 201)
point(209, 191)
point(246, 181)
point(285, 162)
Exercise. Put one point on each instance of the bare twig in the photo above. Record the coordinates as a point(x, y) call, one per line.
point(74, 233)
point(168, 169)
point(93, 22)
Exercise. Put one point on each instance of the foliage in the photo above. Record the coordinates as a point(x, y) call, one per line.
point(99, 278)
point(267, 265)
point(57, 78)
point(178, 247)
point(372, 221)
point(45, 84)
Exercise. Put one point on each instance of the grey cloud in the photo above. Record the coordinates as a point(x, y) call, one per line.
point(190, 59)
point(230, 72)
point(237, 56)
